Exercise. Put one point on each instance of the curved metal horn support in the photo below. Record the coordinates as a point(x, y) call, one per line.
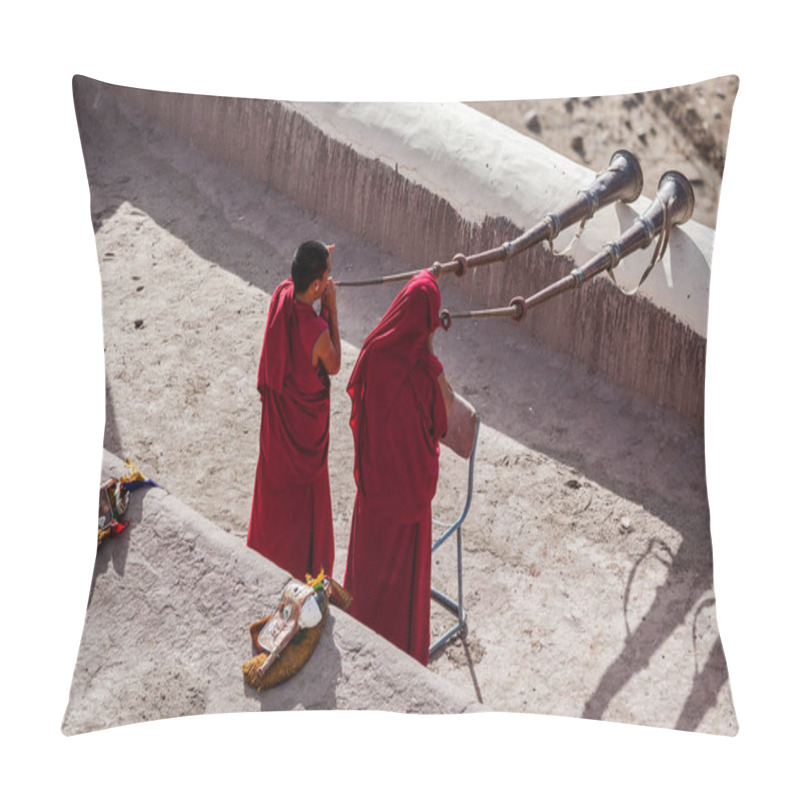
point(621, 180)
point(673, 205)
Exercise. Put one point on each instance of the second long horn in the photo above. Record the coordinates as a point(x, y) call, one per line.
point(673, 205)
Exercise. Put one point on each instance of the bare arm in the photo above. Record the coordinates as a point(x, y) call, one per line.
point(447, 391)
point(328, 348)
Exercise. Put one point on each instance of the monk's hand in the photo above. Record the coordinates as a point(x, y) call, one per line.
point(329, 295)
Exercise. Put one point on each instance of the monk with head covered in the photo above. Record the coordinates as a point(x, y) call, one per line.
point(291, 521)
point(400, 401)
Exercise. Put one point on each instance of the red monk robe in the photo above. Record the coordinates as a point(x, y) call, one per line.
point(291, 521)
point(398, 417)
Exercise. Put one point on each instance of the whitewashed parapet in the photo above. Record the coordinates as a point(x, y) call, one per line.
point(425, 181)
point(483, 168)
point(166, 632)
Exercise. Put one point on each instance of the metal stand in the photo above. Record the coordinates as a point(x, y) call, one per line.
point(462, 438)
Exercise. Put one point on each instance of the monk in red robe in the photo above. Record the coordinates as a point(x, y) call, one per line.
point(400, 399)
point(291, 521)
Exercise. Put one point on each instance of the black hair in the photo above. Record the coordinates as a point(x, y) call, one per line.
point(309, 264)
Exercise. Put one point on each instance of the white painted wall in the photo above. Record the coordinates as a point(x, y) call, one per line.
point(484, 168)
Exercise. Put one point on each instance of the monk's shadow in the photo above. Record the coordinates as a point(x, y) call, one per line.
point(708, 680)
point(682, 589)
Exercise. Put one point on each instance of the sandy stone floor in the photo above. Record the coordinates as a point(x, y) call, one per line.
point(587, 555)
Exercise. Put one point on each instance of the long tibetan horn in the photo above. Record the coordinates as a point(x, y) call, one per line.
point(621, 180)
point(673, 205)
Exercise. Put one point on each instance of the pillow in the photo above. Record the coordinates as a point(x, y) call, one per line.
point(587, 552)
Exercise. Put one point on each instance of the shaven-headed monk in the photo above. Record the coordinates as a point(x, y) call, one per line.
point(291, 522)
point(400, 404)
